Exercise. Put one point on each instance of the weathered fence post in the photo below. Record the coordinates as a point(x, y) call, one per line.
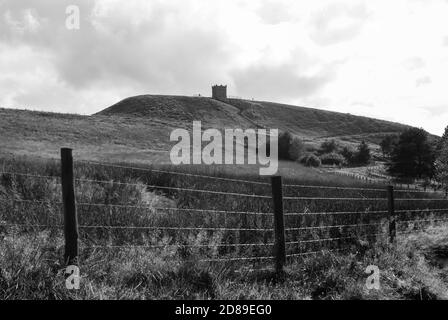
point(279, 224)
point(391, 209)
point(68, 198)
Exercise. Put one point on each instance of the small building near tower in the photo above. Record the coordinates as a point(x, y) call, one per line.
point(219, 92)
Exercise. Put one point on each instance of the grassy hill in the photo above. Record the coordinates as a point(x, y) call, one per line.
point(134, 127)
point(308, 123)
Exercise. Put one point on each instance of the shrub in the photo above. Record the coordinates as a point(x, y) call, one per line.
point(296, 149)
point(311, 160)
point(284, 142)
point(349, 154)
point(388, 143)
point(289, 148)
point(363, 156)
point(413, 156)
point(328, 147)
point(332, 159)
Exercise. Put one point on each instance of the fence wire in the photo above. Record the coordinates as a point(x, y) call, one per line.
point(172, 172)
point(214, 211)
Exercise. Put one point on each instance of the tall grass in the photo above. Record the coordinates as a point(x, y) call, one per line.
point(125, 263)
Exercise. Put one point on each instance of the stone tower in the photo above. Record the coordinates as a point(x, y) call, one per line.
point(219, 92)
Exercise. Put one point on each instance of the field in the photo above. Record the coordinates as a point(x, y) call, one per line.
point(145, 235)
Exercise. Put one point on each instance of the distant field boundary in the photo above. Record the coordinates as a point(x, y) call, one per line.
point(280, 227)
point(383, 179)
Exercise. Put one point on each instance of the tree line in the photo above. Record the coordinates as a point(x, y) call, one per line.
point(410, 155)
point(413, 155)
point(329, 152)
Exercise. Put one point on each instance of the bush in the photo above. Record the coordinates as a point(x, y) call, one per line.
point(328, 147)
point(311, 160)
point(349, 154)
point(413, 156)
point(363, 155)
point(296, 149)
point(284, 143)
point(289, 148)
point(332, 159)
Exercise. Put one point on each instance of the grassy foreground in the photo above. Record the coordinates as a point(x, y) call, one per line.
point(167, 264)
point(31, 269)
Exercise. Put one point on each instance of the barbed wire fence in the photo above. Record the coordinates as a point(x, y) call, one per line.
point(280, 241)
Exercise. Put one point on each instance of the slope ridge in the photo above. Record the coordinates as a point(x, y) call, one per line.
point(309, 123)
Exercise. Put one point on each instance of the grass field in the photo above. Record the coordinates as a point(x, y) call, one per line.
point(168, 264)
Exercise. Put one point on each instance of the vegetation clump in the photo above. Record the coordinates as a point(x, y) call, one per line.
point(311, 160)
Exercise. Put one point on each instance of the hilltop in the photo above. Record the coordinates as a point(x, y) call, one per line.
point(309, 123)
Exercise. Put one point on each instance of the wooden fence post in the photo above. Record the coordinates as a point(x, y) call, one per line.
point(279, 224)
point(391, 209)
point(68, 198)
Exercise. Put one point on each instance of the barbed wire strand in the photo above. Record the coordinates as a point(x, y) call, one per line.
point(30, 201)
point(333, 187)
point(174, 209)
point(314, 252)
point(237, 259)
point(332, 213)
point(329, 239)
point(420, 210)
point(173, 172)
point(421, 220)
point(80, 204)
point(334, 226)
point(28, 175)
point(160, 246)
point(335, 199)
point(30, 225)
point(417, 191)
point(421, 199)
point(178, 189)
point(172, 228)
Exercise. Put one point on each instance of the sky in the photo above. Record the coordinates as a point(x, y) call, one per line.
point(383, 59)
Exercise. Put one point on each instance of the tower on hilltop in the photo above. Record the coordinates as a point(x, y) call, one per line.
point(219, 92)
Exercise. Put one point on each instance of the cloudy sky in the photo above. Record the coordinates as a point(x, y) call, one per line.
point(382, 58)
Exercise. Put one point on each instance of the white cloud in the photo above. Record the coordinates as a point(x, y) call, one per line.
point(387, 59)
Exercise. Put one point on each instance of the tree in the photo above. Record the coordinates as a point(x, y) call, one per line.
point(296, 149)
point(289, 148)
point(284, 142)
point(442, 142)
point(328, 147)
point(387, 144)
point(441, 163)
point(413, 156)
point(363, 156)
point(349, 154)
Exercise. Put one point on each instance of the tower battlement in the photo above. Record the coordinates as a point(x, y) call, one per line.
point(219, 92)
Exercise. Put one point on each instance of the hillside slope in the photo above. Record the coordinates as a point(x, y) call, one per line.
point(134, 127)
point(308, 123)
point(24, 132)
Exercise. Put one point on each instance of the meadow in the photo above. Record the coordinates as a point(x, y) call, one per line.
point(145, 235)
